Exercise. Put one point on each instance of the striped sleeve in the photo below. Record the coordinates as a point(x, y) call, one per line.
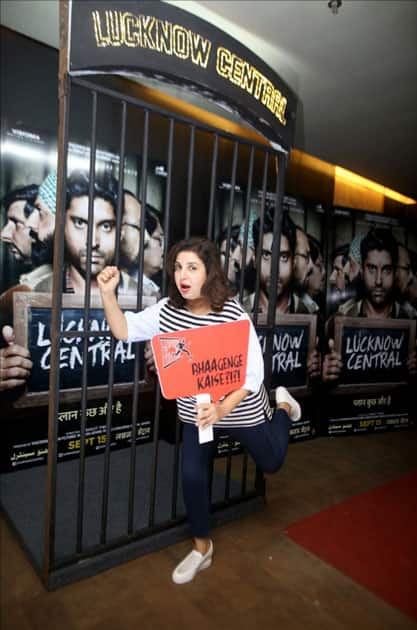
point(255, 362)
point(143, 325)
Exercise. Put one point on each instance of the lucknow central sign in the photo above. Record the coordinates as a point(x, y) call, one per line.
point(159, 40)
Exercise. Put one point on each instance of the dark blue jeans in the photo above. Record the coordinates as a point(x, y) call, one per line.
point(266, 442)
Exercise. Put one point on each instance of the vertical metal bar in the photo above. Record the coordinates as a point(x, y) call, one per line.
point(261, 235)
point(247, 218)
point(175, 475)
point(120, 194)
point(210, 235)
point(53, 405)
point(227, 257)
point(231, 204)
point(81, 473)
point(132, 469)
point(154, 466)
point(109, 416)
point(144, 180)
point(90, 231)
point(167, 213)
point(211, 476)
point(189, 182)
point(228, 469)
point(279, 193)
point(119, 218)
point(136, 370)
point(242, 278)
point(136, 377)
point(260, 485)
point(154, 473)
point(213, 186)
point(106, 473)
point(244, 474)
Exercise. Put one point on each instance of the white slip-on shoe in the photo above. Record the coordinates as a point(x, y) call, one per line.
point(282, 395)
point(186, 570)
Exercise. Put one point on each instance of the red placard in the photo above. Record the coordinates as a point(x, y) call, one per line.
point(210, 359)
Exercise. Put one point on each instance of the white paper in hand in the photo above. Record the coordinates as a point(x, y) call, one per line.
point(206, 434)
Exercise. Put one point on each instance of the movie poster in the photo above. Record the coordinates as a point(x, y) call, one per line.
point(27, 232)
point(300, 293)
point(369, 362)
point(343, 334)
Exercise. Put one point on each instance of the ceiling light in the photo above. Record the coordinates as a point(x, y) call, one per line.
point(362, 182)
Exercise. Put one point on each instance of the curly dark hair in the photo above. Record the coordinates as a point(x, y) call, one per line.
point(105, 187)
point(380, 239)
point(26, 193)
point(216, 288)
point(287, 228)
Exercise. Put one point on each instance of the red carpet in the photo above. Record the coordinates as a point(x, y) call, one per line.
point(372, 538)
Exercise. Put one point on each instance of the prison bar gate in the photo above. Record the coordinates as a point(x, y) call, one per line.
point(84, 560)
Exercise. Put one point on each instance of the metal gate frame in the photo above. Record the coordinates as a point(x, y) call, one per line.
point(85, 562)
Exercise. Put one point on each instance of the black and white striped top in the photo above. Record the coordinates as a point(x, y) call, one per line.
point(162, 318)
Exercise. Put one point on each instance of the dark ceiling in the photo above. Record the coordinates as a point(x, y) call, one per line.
point(355, 72)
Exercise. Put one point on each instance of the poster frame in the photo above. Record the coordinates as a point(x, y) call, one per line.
point(23, 301)
point(357, 322)
point(294, 319)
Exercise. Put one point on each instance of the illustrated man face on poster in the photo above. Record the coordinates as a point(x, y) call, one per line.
point(283, 287)
point(412, 286)
point(315, 283)
point(154, 245)
point(103, 228)
point(42, 221)
point(379, 253)
point(130, 230)
point(16, 362)
point(103, 235)
point(303, 264)
point(316, 279)
point(265, 242)
point(403, 271)
point(287, 302)
point(339, 272)
point(76, 232)
point(234, 266)
point(45, 220)
point(354, 259)
point(130, 237)
point(19, 205)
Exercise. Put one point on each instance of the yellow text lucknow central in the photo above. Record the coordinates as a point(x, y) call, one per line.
point(122, 28)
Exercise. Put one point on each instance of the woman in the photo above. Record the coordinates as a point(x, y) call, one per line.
point(199, 296)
